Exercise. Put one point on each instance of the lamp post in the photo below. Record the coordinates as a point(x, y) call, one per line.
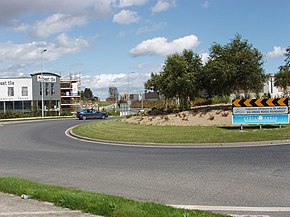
point(42, 88)
point(129, 101)
point(129, 84)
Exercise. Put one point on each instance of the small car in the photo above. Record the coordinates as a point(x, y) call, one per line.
point(91, 113)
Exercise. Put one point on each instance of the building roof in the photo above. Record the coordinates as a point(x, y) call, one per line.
point(45, 73)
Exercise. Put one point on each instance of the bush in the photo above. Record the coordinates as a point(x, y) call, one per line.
point(156, 111)
point(220, 99)
point(13, 114)
point(201, 101)
point(113, 112)
point(66, 113)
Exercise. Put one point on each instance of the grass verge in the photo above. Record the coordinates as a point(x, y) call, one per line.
point(116, 130)
point(98, 204)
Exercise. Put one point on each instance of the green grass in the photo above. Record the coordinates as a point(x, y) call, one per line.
point(98, 204)
point(115, 130)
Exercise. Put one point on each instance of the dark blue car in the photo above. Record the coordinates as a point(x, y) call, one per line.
point(91, 113)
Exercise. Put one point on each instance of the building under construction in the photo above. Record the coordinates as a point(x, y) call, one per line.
point(70, 89)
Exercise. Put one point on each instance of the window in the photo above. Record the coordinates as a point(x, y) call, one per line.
point(24, 91)
point(52, 89)
point(46, 89)
point(40, 88)
point(10, 91)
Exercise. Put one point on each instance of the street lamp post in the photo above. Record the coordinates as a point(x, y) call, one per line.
point(129, 84)
point(129, 101)
point(42, 88)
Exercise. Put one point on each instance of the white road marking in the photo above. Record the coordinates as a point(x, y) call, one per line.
point(249, 215)
point(234, 208)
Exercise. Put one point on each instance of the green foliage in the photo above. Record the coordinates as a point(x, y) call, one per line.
point(220, 99)
point(94, 203)
point(178, 79)
point(87, 94)
point(154, 83)
point(66, 113)
point(156, 111)
point(12, 114)
point(113, 112)
point(282, 78)
point(201, 101)
point(234, 67)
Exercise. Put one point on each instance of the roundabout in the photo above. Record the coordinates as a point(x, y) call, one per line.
point(233, 177)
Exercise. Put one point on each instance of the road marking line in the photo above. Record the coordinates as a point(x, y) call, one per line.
point(234, 208)
point(234, 215)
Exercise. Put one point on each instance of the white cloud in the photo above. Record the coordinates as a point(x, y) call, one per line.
point(29, 53)
point(22, 28)
point(204, 57)
point(161, 46)
point(163, 5)
point(14, 10)
point(276, 53)
point(100, 83)
point(14, 70)
point(126, 17)
point(57, 23)
point(128, 3)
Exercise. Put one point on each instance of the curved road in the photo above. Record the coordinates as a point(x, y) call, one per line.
point(250, 176)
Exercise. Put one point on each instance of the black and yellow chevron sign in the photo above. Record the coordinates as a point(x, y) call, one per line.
point(260, 102)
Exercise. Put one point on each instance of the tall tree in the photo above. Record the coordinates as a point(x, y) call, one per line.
point(282, 78)
point(153, 83)
point(113, 93)
point(178, 78)
point(234, 67)
point(87, 94)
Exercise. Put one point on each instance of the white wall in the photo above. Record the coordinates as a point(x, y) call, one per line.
point(16, 84)
point(270, 88)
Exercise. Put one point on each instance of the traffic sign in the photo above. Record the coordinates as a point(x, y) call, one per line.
point(260, 102)
point(260, 110)
point(260, 119)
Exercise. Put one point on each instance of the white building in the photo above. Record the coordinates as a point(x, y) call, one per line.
point(271, 89)
point(25, 94)
point(15, 94)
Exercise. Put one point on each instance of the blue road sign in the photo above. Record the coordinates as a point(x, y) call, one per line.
point(260, 119)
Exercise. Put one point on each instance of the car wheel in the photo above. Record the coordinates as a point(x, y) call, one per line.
point(103, 116)
point(84, 117)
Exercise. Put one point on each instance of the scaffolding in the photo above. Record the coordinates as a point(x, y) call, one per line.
point(70, 92)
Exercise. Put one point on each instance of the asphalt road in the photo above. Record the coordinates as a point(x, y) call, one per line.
point(247, 177)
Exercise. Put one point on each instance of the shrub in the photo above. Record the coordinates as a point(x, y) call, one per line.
point(220, 99)
point(66, 113)
point(113, 112)
point(13, 114)
point(156, 111)
point(201, 101)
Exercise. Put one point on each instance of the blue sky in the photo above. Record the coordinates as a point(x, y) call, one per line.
point(109, 41)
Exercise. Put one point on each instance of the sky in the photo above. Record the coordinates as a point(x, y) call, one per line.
point(120, 43)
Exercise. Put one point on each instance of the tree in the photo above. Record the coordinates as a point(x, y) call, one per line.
point(282, 78)
point(153, 83)
point(234, 67)
point(113, 93)
point(87, 94)
point(178, 78)
point(287, 60)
